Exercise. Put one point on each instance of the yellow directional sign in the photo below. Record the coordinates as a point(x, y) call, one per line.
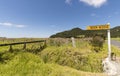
point(99, 27)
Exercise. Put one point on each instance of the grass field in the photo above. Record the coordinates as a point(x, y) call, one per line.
point(58, 59)
point(118, 39)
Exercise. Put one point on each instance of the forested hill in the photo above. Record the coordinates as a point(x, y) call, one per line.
point(77, 32)
point(115, 32)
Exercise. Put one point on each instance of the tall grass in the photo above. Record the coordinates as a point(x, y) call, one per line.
point(28, 64)
point(58, 59)
point(81, 58)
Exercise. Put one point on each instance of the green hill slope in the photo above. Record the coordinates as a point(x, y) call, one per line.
point(75, 32)
point(115, 32)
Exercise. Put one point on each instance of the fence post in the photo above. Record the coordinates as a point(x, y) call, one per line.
point(11, 49)
point(40, 47)
point(73, 42)
point(45, 43)
point(24, 47)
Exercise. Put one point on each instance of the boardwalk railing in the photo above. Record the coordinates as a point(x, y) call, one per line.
point(24, 47)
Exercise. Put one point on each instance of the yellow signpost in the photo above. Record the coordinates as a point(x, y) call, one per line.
point(103, 27)
point(99, 27)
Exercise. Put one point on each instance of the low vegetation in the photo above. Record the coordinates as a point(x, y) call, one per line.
point(58, 59)
point(28, 64)
point(81, 58)
point(117, 39)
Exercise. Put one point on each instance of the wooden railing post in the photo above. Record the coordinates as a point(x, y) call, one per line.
point(11, 49)
point(45, 44)
point(40, 47)
point(24, 47)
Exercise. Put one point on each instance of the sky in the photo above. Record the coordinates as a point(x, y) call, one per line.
point(43, 18)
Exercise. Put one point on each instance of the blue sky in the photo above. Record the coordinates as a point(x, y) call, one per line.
point(42, 18)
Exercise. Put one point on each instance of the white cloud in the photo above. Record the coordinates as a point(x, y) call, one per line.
point(68, 1)
point(95, 3)
point(8, 24)
point(20, 26)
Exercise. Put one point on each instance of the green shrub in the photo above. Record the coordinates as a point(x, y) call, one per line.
point(58, 41)
point(97, 43)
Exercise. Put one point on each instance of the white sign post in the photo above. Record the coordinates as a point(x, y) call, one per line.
point(109, 45)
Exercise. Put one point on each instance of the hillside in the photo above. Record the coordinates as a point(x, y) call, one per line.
point(77, 32)
point(115, 32)
point(69, 33)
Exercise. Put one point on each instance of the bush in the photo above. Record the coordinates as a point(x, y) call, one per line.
point(58, 41)
point(6, 56)
point(97, 42)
